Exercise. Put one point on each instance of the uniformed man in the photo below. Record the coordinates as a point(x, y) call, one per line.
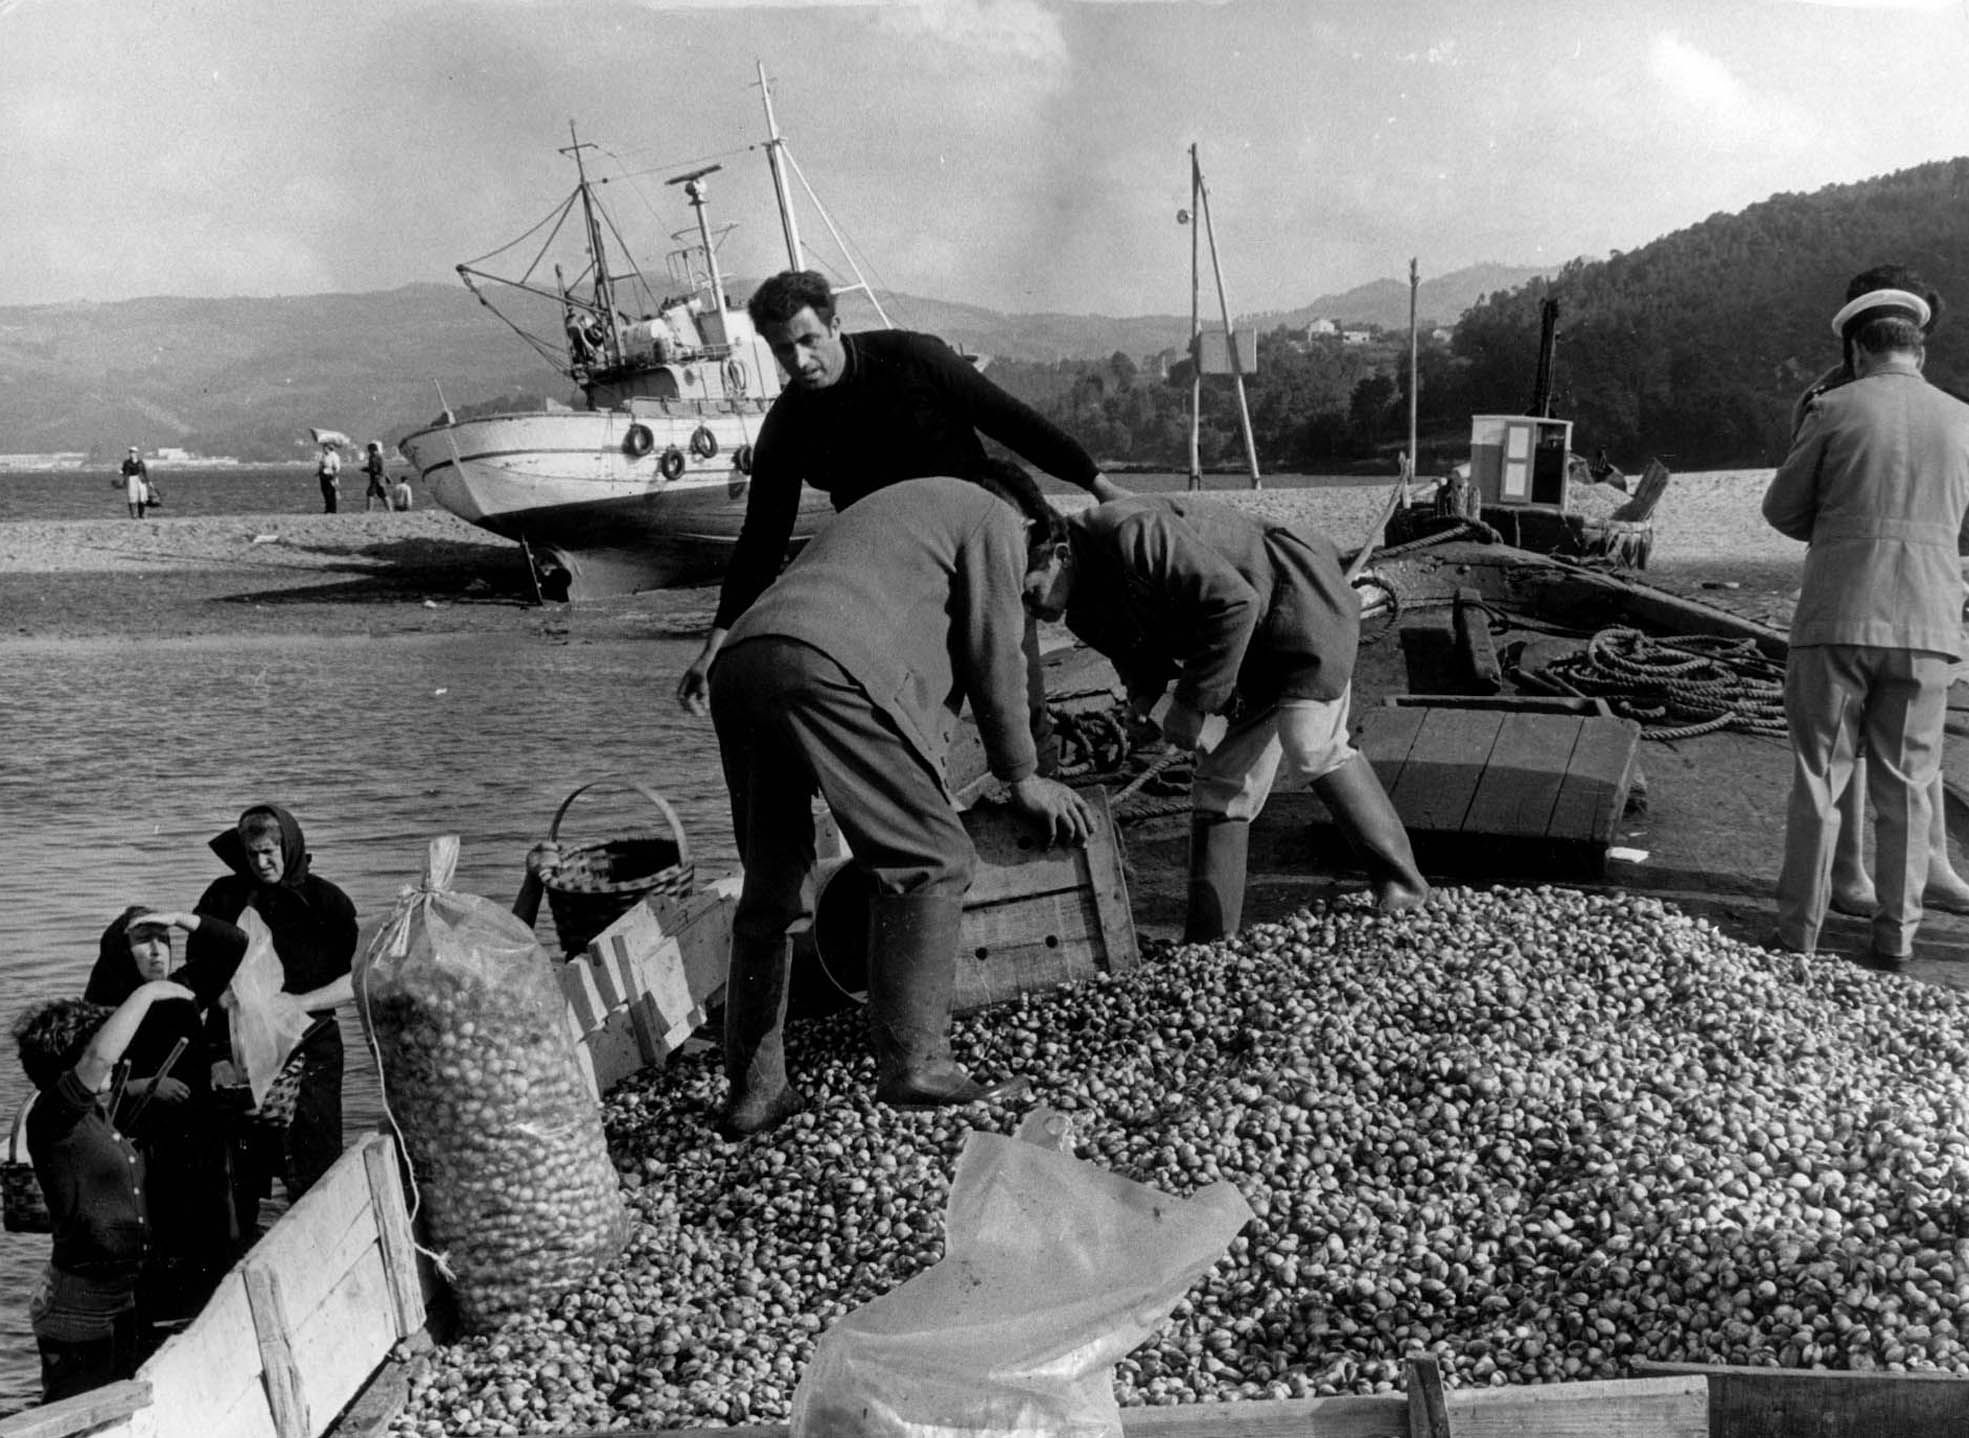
point(1877, 484)
point(846, 676)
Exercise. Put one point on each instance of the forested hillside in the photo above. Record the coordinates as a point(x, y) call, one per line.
point(1693, 348)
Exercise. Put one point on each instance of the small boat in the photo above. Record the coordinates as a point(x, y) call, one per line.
point(645, 486)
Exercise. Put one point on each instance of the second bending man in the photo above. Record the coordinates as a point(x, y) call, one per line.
point(1252, 623)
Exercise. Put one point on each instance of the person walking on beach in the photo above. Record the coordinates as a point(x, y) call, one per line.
point(862, 411)
point(136, 482)
point(1255, 626)
point(372, 468)
point(846, 677)
point(1877, 484)
point(328, 473)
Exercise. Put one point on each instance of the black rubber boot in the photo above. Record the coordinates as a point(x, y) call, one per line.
point(755, 1051)
point(912, 973)
point(1367, 819)
point(1218, 850)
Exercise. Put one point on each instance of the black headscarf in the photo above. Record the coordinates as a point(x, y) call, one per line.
point(294, 856)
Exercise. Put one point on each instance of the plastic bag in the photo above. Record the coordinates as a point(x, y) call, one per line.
point(481, 1080)
point(265, 1023)
point(1053, 1269)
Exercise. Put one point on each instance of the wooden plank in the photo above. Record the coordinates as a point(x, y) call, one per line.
point(341, 1343)
point(1661, 1407)
point(1385, 736)
point(317, 1240)
point(613, 1051)
point(286, 1398)
point(1440, 778)
point(610, 966)
point(80, 1414)
point(205, 1380)
point(1511, 703)
point(1471, 623)
point(1595, 788)
point(1107, 878)
point(1520, 785)
point(1781, 1402)
point(586, 1007)
point(394, 1240)
point(1428, 1413)
point(1024, 946)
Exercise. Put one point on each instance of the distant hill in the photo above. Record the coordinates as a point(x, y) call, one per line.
point(249, 377)
point(1695, 346)
point(1438, 301)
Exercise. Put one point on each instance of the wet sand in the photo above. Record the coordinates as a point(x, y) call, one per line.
point(428, 572)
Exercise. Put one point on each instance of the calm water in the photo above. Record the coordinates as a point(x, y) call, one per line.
point(125, 760)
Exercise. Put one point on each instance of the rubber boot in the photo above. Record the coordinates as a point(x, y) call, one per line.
point(1367, 820)
point(760, 1097)
point(1219, 848)
point(912, 974)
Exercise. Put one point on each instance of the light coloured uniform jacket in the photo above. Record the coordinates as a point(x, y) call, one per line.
point(915, 592)
point(1877, 483)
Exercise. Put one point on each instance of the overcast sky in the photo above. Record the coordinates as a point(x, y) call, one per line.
point(1020, 154)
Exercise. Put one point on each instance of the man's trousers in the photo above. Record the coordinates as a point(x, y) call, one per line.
point(1839, 700)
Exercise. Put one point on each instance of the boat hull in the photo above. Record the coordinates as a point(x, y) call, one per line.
point(591, 501)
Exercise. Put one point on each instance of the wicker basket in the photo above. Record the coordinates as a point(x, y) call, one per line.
point(20, 1192)
point(596, 884)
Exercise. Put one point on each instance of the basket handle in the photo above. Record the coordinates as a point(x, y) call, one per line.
point(20, 1122)
point(662, 804)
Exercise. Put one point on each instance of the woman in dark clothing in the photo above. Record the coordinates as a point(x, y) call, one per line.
point(182, 1135)
point(313, 925)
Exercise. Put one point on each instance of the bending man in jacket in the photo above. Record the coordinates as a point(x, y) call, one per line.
point(1877, 484)
point(846, 677)
point(1256, 626)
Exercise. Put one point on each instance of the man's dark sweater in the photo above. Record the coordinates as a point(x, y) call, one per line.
point(907, 406)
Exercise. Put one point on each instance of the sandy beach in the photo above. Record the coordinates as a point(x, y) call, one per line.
point(429, 572)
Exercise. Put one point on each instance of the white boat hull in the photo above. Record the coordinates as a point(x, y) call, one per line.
point(591, 503)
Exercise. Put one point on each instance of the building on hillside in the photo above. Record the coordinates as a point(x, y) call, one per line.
point(1356, 337)
point(1321, 327)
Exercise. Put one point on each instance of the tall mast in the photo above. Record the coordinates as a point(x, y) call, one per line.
point(604, 287)
point(776, 162)
point(694, 191)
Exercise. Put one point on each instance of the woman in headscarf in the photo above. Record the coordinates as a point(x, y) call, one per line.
point(313, 925)
point(170, 1115)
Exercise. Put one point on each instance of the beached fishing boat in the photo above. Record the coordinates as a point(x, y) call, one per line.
point(645, 485)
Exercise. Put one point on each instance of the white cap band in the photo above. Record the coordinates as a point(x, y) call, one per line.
point(1882, 300)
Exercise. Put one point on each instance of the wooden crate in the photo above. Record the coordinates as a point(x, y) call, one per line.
point(1819, 1403)
point(1038, 917)
point(1496, 786)
point(1035, 917)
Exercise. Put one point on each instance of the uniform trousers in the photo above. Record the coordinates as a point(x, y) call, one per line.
point(1841, 700)
point(1308, 735)
point(791, 721)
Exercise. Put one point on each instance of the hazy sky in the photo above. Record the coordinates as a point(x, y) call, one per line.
point(1020, 154)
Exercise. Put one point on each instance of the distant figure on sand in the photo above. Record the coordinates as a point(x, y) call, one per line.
point(136, 482)
point(400, 495)
point(372, 466)
point(328, 470)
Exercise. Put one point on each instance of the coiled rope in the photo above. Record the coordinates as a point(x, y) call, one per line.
point(1096, 747)
point(1680, 686)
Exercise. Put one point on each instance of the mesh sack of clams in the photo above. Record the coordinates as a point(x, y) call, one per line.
point(480, 1077)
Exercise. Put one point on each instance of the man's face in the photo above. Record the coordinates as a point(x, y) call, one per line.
point(1049, 583)
point(808, 349)
point(150, 950)
point(263, 858)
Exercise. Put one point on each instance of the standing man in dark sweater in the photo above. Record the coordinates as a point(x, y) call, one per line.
point(860, 412)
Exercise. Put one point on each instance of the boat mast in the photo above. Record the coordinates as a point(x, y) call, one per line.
point(1202, 193)
point(604, 288)
point(795, 259)
point(695, 192)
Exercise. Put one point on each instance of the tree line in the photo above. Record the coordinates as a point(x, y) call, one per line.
point(1693, 348)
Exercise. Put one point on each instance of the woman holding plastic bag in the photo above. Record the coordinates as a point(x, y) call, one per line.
point(312, 926)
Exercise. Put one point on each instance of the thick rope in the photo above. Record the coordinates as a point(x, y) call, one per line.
point(1681, 686)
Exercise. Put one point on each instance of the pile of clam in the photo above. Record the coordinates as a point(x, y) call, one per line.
point(1540, 1134)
